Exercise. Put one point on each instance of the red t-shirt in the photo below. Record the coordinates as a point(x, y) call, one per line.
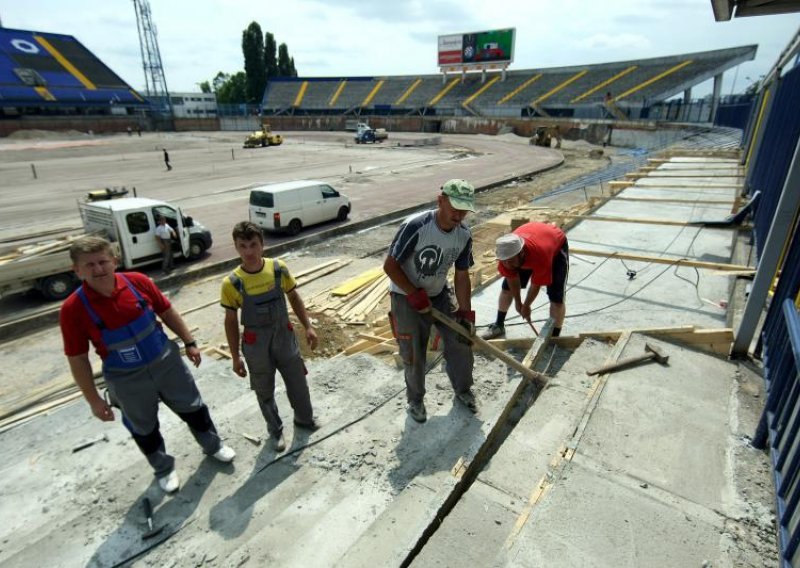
point(541, 243)
point(77, 327)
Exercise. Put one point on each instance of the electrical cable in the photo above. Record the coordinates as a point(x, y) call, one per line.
point(351, 423)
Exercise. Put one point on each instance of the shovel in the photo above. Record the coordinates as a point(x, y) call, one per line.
point(148, 512)
point(487, 347)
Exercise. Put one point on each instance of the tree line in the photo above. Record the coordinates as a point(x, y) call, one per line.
point(263, 59)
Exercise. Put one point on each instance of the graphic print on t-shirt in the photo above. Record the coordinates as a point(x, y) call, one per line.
point(427, 260)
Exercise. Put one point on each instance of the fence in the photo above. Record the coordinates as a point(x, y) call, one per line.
point(772, 155)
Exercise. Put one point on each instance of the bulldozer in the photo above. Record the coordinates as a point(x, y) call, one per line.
point(544, 136)
point(263, 138)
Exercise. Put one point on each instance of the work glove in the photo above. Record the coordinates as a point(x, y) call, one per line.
point(466, 318)
point(419, 300)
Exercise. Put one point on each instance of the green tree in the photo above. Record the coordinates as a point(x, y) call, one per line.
point(284, 62)
point(293, 69)
point(233, 89)
point(254, 68)
point(205, 87)
point(270, 55)
point(219, 80)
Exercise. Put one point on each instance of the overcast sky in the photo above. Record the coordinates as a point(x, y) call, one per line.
point(198, 38)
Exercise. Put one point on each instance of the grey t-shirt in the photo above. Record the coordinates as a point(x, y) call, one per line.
point(426, 252)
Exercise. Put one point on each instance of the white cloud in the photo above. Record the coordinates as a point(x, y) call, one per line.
point(618, 42)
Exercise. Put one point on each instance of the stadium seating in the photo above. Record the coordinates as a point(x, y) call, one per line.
point(43, 68)
point(635, 82)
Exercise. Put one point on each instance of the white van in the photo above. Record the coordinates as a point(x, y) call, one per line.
point(292, 205)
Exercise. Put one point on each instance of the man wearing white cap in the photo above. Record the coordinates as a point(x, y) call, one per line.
point(537, 250)
point(421, 254)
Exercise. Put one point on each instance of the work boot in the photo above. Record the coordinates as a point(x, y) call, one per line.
point(278, 442)
point(468, 400)
point(169, 483)
point(493, 331)
point(312, 426)
point(417, 411)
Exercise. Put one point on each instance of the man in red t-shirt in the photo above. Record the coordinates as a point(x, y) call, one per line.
point(540, 251)
point(116, 314)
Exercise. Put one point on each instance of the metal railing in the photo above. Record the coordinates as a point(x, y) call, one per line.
point(780, 423)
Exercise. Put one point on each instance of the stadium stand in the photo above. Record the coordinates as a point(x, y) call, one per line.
point(53, 71)
point(565, 91)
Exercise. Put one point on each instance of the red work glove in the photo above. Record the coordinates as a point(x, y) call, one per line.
point(467, 319)
point(419, 300)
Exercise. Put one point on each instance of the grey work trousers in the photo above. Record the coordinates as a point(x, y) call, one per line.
point(271, 349)
point(412, 331)
point(137, 392)
point(167, 261)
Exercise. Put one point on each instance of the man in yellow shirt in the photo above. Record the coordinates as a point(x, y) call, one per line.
point(258, 288)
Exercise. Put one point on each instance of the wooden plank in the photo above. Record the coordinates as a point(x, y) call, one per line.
point(660, 260)
point(320, 274)
point(315, 268)
point(642, 221)
point(676, 200)
point(359, 281)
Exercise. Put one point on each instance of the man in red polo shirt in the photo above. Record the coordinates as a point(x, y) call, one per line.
point(116, 314)
point(540, 251)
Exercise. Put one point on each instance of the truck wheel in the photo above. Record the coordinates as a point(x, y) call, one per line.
point(343, 211)
point(59, 286)
point(196, 249)
point(295, 226)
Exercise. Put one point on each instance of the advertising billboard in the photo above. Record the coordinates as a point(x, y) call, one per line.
point(494, 46)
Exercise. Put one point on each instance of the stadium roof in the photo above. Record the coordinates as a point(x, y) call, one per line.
point(724, 10)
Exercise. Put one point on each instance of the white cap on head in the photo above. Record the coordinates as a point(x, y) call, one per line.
point(508, 246)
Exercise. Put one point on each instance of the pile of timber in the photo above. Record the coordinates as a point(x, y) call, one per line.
point(38, 249)
point(352, 301)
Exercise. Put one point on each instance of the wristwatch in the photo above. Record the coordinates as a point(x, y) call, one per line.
point(192, 343)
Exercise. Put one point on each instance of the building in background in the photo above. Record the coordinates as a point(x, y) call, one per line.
point(194, 105)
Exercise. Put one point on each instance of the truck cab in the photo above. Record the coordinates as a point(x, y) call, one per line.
point(132, 223)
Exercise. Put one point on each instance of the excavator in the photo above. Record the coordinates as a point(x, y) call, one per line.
point(262, 138)
point(544, 136)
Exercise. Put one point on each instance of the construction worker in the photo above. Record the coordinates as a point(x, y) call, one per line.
point(259, 288)
point(117, 314)
point(421, 254)
point(165, 235)
point(539, 250)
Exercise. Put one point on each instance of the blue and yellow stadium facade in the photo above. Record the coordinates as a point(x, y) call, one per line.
point(48, 70)
point(565, 91)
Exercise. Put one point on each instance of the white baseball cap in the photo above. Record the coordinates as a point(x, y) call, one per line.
point(508, 246)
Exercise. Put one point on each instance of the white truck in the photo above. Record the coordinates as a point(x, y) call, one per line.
point(129, 223)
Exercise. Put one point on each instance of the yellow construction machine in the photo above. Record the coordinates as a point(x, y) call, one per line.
point(263, 138)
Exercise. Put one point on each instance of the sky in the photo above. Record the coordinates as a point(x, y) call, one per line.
point(334, 38)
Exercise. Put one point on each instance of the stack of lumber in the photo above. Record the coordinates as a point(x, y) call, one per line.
point(354, 300)
point(37, 250)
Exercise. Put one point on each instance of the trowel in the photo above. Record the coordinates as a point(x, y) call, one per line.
point(148, 513)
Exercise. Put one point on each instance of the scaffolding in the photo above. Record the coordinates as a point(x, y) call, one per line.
point(154, 77)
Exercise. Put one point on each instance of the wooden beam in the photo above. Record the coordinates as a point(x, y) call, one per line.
point(713, 340)
point(742, 227)
point(660, 260)
point(675, 200)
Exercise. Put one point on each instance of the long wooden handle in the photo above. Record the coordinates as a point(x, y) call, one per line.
point(489, 348)
point(622, 363)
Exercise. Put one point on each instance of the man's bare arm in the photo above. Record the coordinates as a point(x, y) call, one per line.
point(81, 369)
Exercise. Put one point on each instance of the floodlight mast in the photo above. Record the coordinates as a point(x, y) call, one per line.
point(154, 79)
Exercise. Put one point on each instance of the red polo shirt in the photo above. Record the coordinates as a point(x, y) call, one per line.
point(541, 243)
point(77, 327)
